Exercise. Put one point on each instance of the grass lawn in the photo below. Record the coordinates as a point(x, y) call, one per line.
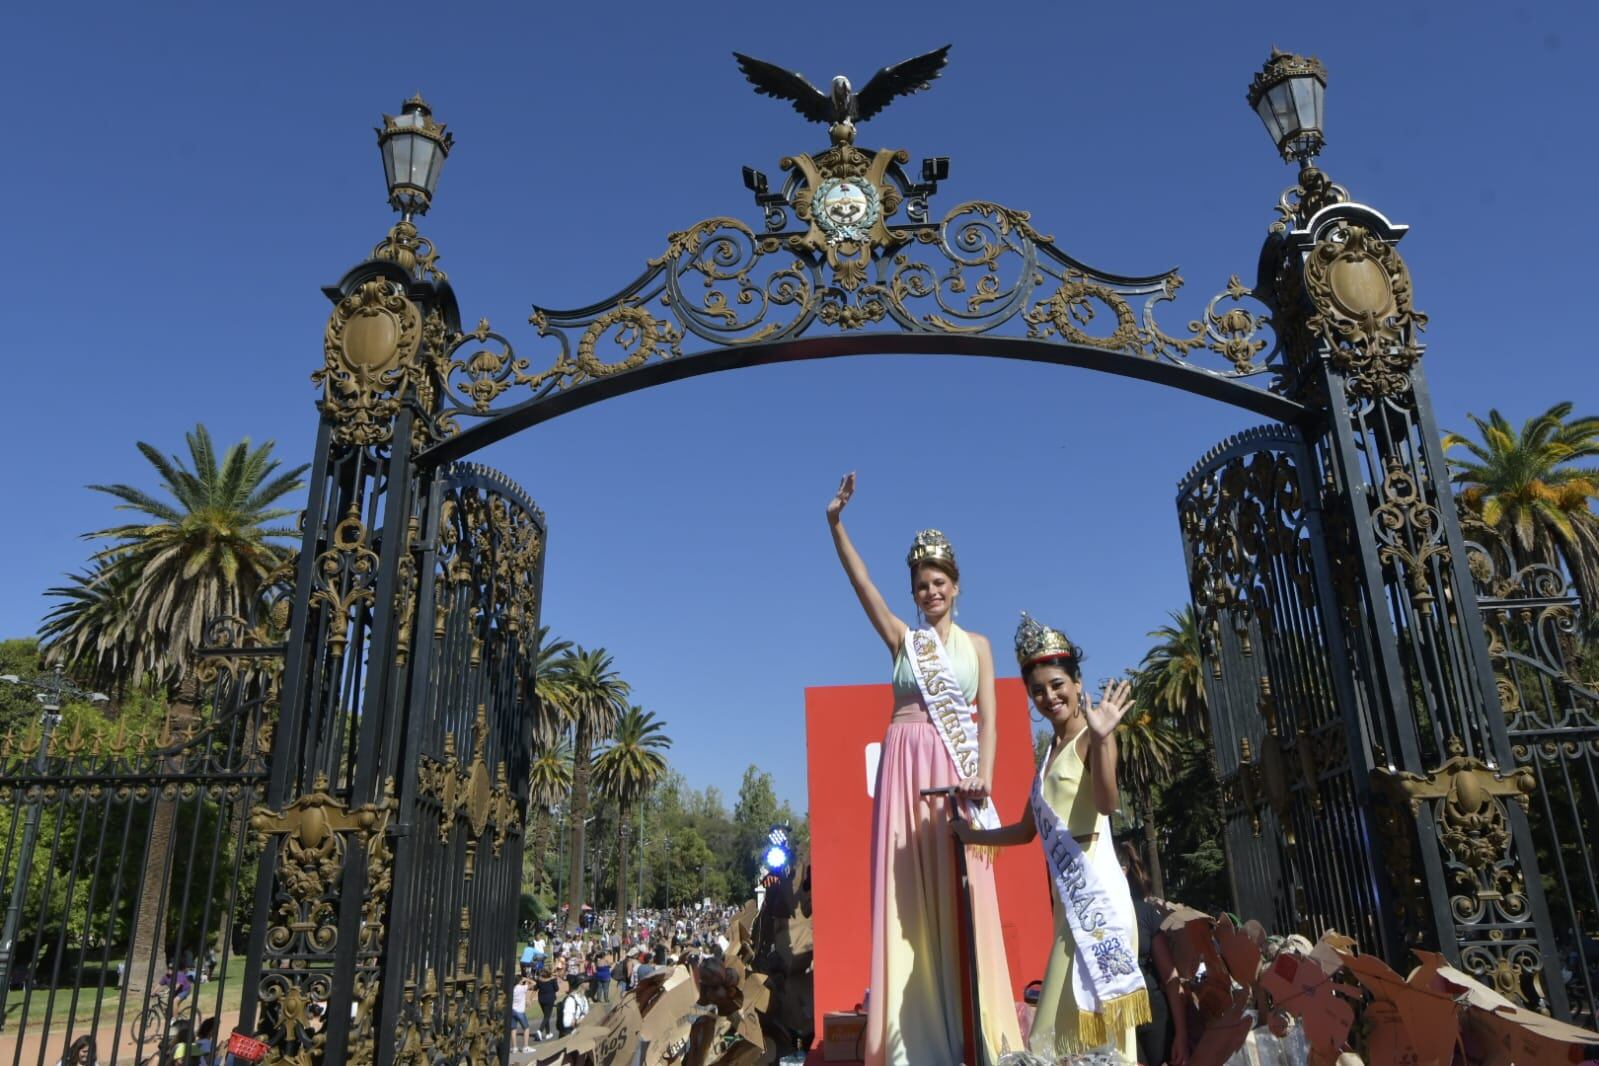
point(230, 980)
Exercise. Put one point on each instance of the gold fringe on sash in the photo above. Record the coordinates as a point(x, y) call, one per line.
point(1114, 1018)
point(983, 852)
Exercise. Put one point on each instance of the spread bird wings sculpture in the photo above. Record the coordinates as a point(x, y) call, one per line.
point(844, 106)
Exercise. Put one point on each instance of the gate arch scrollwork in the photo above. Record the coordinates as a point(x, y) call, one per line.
point(722, 286)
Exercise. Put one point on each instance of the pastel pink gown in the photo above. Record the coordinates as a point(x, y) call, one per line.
point(915, 1016)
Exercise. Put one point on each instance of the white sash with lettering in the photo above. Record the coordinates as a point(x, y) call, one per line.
point(947, 706)
point(1106, 982)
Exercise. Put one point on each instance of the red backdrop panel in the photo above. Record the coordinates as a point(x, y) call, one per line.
point(841, 724)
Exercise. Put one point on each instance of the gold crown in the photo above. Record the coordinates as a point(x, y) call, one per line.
point(1035, 641)
point(930, 545)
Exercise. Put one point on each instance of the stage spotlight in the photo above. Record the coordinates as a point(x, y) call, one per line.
point(778, 852)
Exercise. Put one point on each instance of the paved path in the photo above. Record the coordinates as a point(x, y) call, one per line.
point(41, 1048)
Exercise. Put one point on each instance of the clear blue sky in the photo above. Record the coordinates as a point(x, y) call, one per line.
point(181, 179)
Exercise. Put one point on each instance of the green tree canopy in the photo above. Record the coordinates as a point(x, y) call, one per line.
point(1527, 487)
point(196, 556)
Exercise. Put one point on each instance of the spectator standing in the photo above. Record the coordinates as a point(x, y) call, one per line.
point(602, 978)
point(574, 1007)
point(548, 989)
point(519, 1026)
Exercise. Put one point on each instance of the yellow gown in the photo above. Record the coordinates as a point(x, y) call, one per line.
point(1068, 789)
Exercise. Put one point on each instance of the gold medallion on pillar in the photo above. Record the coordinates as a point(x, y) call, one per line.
point(369, 353)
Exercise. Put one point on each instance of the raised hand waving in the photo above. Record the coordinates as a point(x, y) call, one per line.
point(1113, 706)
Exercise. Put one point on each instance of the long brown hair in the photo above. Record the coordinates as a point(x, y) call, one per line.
point(1133, 863)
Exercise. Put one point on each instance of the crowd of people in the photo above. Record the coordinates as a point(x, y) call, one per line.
point(568, 965)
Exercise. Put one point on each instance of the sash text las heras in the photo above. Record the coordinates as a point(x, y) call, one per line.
point(951, 714)
point(1106, 982)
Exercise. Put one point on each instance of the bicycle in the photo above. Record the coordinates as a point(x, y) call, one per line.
point(153, 1023)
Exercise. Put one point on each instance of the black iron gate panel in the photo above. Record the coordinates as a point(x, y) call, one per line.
point(1532, 616)
point(1452, 809)
point(326, 825)
point(463, 789)
point(124, 840)
point(1300, 845)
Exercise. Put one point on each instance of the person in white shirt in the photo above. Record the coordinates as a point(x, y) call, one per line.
point(573, 1009)
point(519, 1025)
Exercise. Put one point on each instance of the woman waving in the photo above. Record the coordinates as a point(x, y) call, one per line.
point(918, 1012)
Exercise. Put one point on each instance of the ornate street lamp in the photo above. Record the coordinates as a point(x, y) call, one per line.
point(51, 691)
point(1287, 95)
point(413, 148)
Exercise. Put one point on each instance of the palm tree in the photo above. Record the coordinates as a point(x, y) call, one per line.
point(1148, 743)
point(198, 557)
point(593, 696)
point(207, 552)
point(625, 772)
point(549, 680)
point(1522, 486)
point(92, 629)
point(549, 780)
point(1173, 671)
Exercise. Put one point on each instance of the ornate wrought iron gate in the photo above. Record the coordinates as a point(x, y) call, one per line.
point(391, 876)
point(1552, 718)
point(130, 846)
point(1303, 854)
point(458, 869)
point(1382, 748)
point(1430, 806)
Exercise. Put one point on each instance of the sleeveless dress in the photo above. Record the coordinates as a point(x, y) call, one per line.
point(1069, 791)
point(918, 999)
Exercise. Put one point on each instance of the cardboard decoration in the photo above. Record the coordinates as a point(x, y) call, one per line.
point(617, 1042)
point(1330, 951)
point(666, 1027)
point(1239, 951)
point(1213, 992)
point(1497, 1032)
point(1302, 988)
point(1222, 1037)
point(1427, 1021)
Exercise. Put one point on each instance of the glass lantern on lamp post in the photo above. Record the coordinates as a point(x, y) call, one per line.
point(414, 148)
point(1288, 94)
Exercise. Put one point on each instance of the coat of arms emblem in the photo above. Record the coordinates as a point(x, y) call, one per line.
point(846, 209)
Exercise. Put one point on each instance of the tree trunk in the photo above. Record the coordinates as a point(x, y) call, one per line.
point(147, 952)
point(1157, 877)
point(541, 846)
point(621, 871)
point(578, 810)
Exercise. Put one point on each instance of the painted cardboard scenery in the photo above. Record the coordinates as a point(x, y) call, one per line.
point(1254, 1000)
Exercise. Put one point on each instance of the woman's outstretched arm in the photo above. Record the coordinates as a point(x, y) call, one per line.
point(888, 626)
point(1021, 832)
